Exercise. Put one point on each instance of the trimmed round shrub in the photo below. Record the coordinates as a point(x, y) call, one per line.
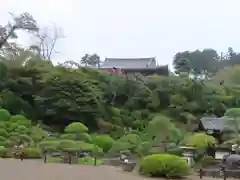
point(3, 151)
point(3, 125)
point(17, 118)
point(3, 133)
point(129, 142)
point(84, 137)
point(25, 138)
point(164, 165)
point(88, 147)
point(200, 140)
point(32, 153)
point(11, 127)
point(48, 145)
point(37, 134)
point(119, 146)
point(103, 141)
point(76, 128)
point(22, 129)
point(67, 145)
point(4, 115)
point(3, 141)
point(72, 136)
point(68, 136)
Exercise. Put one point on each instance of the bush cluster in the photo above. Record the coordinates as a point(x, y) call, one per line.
point(164, 165)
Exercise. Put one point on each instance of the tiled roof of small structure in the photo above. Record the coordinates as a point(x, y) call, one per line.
point(129, 63)
point(214, 123)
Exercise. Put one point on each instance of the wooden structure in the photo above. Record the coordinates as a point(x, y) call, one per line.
point(219, 173)
point(215, 126)
point(220, 152)
point(145, 66)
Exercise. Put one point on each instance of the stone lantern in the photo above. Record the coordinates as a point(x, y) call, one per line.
point(188, 153)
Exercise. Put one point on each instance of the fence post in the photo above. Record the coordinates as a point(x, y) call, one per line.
point(200, 173)
point(224, 173)
point(45, 158)
point(45, 155)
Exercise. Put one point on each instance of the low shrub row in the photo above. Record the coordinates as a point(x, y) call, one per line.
point(84, 160)
point(29, 153)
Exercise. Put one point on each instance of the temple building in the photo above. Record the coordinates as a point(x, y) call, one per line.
point(145, 66)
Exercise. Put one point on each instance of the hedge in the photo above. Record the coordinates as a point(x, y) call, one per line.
point(32, 153)
point(164, 165)
point(3, 151)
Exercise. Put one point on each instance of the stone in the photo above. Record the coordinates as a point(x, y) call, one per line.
point(128, 166)
point(231, 162)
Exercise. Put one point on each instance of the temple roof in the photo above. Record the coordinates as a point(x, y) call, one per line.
point(214, 123)
point(130, 63)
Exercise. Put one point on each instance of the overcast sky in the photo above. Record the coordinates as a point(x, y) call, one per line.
point(134, 28)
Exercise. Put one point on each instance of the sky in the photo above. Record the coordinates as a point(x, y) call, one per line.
point(133, 28)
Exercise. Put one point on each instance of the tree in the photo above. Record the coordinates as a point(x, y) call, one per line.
point(198, 63)
point(234, 123)
point(161, 129)
point(47, 39)
point(90, 60)
point(181, 63)
point(23, 21)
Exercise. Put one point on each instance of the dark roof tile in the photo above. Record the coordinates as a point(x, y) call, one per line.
point(214, 123)
point(129, 63)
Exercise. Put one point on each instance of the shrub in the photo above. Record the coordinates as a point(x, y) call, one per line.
point(3, 125)
point(176, 151)
point(88, 147)
point(200, 140)
point(67, 145)
point(119, 146)
point(72, 136)
point(3, 141)
point(68, 136)
point(53, 159)
point(32, 153)
point(90, 160)
point(207, 161)
point(4, 115)
point(3, 133)
point(164, 165)
point(17, 118)
point(131, 138)
point(84, 137)
point(103, 141)
point(49, 145)
point(25, 138)
point(129, 142)
point(12, 126)
point(22, 129)
point(144, 148)
point(76, 128)
point(3, 151)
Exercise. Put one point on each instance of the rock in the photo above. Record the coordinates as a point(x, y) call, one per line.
point(128, 166)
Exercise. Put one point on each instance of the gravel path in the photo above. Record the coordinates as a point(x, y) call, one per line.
point(12, 169)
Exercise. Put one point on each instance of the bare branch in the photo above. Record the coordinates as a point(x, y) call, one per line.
point(46, 41)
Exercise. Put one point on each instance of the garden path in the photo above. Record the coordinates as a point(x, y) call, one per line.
point(37, 170)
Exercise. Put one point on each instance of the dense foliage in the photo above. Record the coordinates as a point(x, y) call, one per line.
point(164, 165)
point(98, 111)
